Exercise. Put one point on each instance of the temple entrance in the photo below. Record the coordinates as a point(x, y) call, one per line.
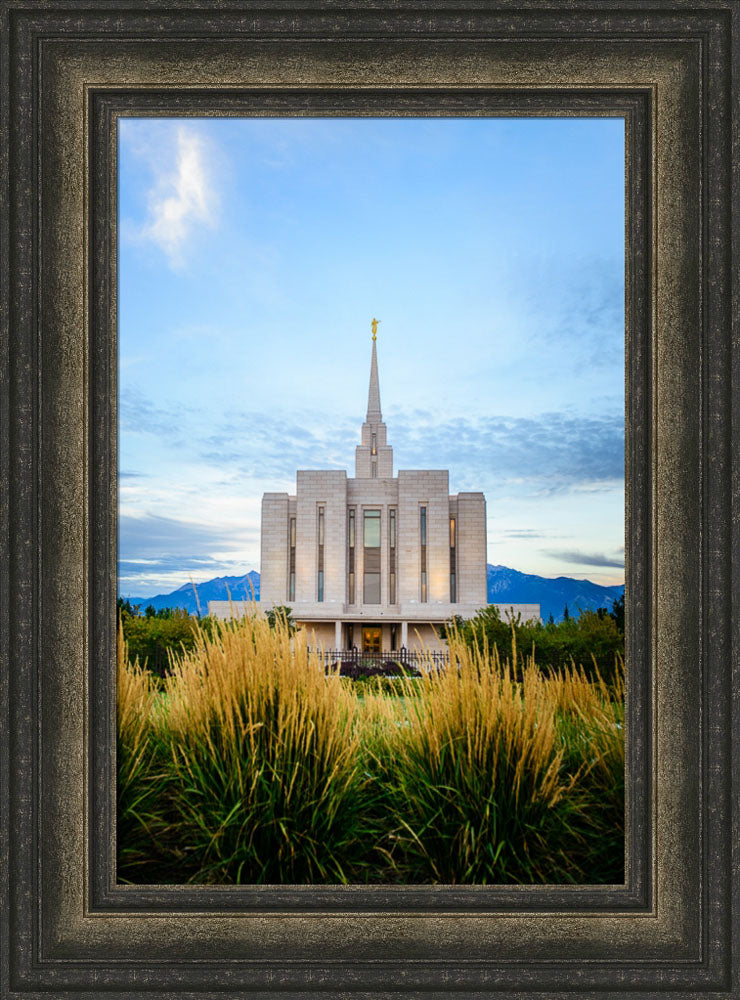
point(371, 640)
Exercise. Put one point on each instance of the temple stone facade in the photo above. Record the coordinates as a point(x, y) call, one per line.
point(376, 561)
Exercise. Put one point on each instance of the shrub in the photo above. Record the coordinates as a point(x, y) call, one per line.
point(358, 669)
point(591, 731)
point(592, 640)
point(487, 784)
point(142, 774)
point(269, 784)
point(151, 639)
point(393, 685)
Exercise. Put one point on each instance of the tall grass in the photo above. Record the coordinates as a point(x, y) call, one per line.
point(255, 766)
point(475, 778)
point(267, 778)
point(591, 730)
point(143, 776)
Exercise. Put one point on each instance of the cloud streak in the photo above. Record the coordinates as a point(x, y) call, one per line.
point(158, 553)
point(182, 198)
point(525, 533)
point(154, 537)
point(587, 559)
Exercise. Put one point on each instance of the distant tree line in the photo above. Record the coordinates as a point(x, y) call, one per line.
point(592, 638)
point(151, 635)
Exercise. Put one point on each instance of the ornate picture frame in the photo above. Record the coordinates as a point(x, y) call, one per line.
point(69, 72)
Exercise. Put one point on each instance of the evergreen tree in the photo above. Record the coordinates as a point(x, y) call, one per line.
point(282, 613)
point(617, 612)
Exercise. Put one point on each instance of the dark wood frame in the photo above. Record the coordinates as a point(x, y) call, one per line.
point(69, 71)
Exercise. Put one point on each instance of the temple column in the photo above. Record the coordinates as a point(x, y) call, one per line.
point(405, 635)
point(337, 635)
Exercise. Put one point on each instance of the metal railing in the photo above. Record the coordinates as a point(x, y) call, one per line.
point(398, 660)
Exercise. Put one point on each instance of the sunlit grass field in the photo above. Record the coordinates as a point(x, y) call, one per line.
point(250, 764)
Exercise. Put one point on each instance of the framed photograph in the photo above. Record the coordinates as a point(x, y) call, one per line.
point(90, 91)
point(262, 468)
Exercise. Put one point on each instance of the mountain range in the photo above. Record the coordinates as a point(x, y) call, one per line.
point(510, 586)
point(239, 588)
point(505, 586)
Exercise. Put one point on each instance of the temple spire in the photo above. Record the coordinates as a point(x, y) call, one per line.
point(373, 396)
point(374, 456)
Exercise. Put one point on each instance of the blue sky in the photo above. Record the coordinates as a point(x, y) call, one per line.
point(253, 254)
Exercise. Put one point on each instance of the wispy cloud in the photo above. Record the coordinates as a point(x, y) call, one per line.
point(183, 197)
point(545, 454)
point(259, 445)
point(159, 553)
point(139, 414)
point(135, 567)
point(578, 311)
point(155, 537)
point(587, 559)
point(550, 451)
point(528, 533)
